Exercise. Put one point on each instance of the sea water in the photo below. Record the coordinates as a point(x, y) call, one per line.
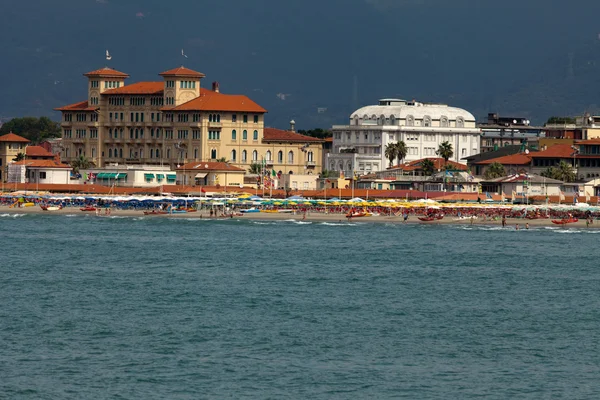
point(159, 308)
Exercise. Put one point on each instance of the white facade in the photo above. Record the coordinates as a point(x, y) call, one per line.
point(421, 126)
point(28, 172)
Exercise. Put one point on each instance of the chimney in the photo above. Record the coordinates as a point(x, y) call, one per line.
point(293, 126)
point(215, 87)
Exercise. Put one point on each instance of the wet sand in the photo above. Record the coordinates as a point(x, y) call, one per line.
point(311, 216)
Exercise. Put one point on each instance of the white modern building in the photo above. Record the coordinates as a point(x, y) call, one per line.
point(359, 147)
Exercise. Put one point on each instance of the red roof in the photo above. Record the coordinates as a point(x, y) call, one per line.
point(209, 166)
point(513, 159)
point(81, 106)
point(438, 163)
point(42, 164)
point(107, 72)
point(182, 71)
point(556, 151)
point(213, 101)
point(589, 141)
point(37, 151)
point(139, 88)
point(279, 135)
point(11, 137)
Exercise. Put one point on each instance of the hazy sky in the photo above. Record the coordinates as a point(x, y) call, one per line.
point(300, 59)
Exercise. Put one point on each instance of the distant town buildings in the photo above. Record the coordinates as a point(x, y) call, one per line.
point(176, 121)
point(359, 147)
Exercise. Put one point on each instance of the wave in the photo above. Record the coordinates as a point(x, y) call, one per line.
point(337, 224)
point(12, 215)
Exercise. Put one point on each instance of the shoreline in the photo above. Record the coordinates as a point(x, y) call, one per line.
point(310, 217)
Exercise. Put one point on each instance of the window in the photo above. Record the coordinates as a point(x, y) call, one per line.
point(233, 135)
point(244, 155)
point(310, 156)
point(233, 155)
point(245, 135)
point(42, 175)
point(213, 154)
point(460, 122)
point(245, 118)
point(291, 157)
point(233, 118)
point(94, 84)
point(255, 135)
point(280, 157)
point(214, 135)
point(427, 121)
point(256, 119)
point(255, 155)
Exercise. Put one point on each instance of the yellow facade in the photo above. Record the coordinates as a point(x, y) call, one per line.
point(10, 146)
point(174, 122)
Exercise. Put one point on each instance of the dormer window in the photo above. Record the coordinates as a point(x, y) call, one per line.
point(460, 122)
point(427, 120)
point(410, 120)
point(444, 121)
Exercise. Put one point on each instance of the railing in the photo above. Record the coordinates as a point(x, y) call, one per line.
point(311, 163)
point(214, 125)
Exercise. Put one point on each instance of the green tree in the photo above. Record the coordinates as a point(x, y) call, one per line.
point(391, 152)
point(560, 120)
point(427, 166)
point(445, 151)
point(495, 170)
point(566, 173)
point(222, 159)
point(255, 168)
point(317, 133)
point(35, 129)
point(19, 157)
point(550, 172)
point(401, 151)
point(81, 163)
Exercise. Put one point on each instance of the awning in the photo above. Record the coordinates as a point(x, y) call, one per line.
point(200, 175)
point(160, 177)
point(171, 177)
point(120, 176)
point(149, 176)
point(106, 175)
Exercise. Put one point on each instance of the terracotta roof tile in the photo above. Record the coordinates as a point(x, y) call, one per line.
point(556, 151)
point(42, 164)
point(279, 135)
point(438, 163)
point(37, 151)
point(513, 159)
point(182, 71)
point(11, 137)
point(81, 106)
point(138, 88)
point(589, 141)
point(213, 101)
point(107, 72)
point(209, 166)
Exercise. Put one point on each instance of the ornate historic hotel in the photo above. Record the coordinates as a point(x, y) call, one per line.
point(175, 121)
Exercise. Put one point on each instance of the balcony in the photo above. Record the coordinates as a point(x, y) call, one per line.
point(94, 124)
point(269, 163)
point(66, 124)
point(311, 164)
point(196, 124)
point(214, 125)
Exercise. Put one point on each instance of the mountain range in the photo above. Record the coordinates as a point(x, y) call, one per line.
point(313, 61)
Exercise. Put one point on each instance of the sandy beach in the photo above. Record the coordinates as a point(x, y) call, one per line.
point(310, 216)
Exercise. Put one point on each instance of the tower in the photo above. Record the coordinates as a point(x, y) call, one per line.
point(181, 85)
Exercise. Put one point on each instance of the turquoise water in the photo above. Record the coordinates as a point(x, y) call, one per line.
point(155, 308)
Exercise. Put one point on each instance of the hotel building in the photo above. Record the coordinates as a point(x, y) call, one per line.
point(176, 121)
point(359, 147)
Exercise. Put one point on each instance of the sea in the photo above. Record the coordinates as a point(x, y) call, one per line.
point(161, 308)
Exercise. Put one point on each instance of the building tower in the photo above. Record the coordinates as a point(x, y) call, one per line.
point(181, 85)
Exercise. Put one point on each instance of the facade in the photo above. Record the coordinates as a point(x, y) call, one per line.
point(128, 176)
point(10, 146)
point(210, 174)
point(39, 171)
point(297, 181)
point(360, 146)
point(173, 122)
point(498, 132)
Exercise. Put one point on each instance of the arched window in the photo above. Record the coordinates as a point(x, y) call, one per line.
point(255, 135)
point(280, 157)
point(444, 121)
point(213, 154)
point(255, 155)
point(168, 153)
point(332, 165)
point(244, 155)
point(410, 120)
point(141, 153)
point(392, 120)
point(233, 155)
point(120, 153)
point(356, 120)
point(195, 152)
point(349, 166)
point(268, 155)
point(218, 117)
point(426, 120)
point(291, 172)
point(460, 122)
point(157, 153)
point(291, 157)
point(233, 135)
point(382, 119)
point(93, 152)
point(109, 153)
point(310, 156)
point(210, 118)
point(151, 153)
point(245, 135)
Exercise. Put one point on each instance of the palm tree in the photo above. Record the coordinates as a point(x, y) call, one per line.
point(391, 152)
point(445, 151)
point(427, 166)
point(495, 170)
point(255, 168)
point(401, 150)
point(222, 159)
point(81, 163)
point(19, 157)
point(565, 172)
point(550, 172)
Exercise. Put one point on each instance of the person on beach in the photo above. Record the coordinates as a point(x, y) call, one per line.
point(517, 227)
point(527, 225)
point(503, 221)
